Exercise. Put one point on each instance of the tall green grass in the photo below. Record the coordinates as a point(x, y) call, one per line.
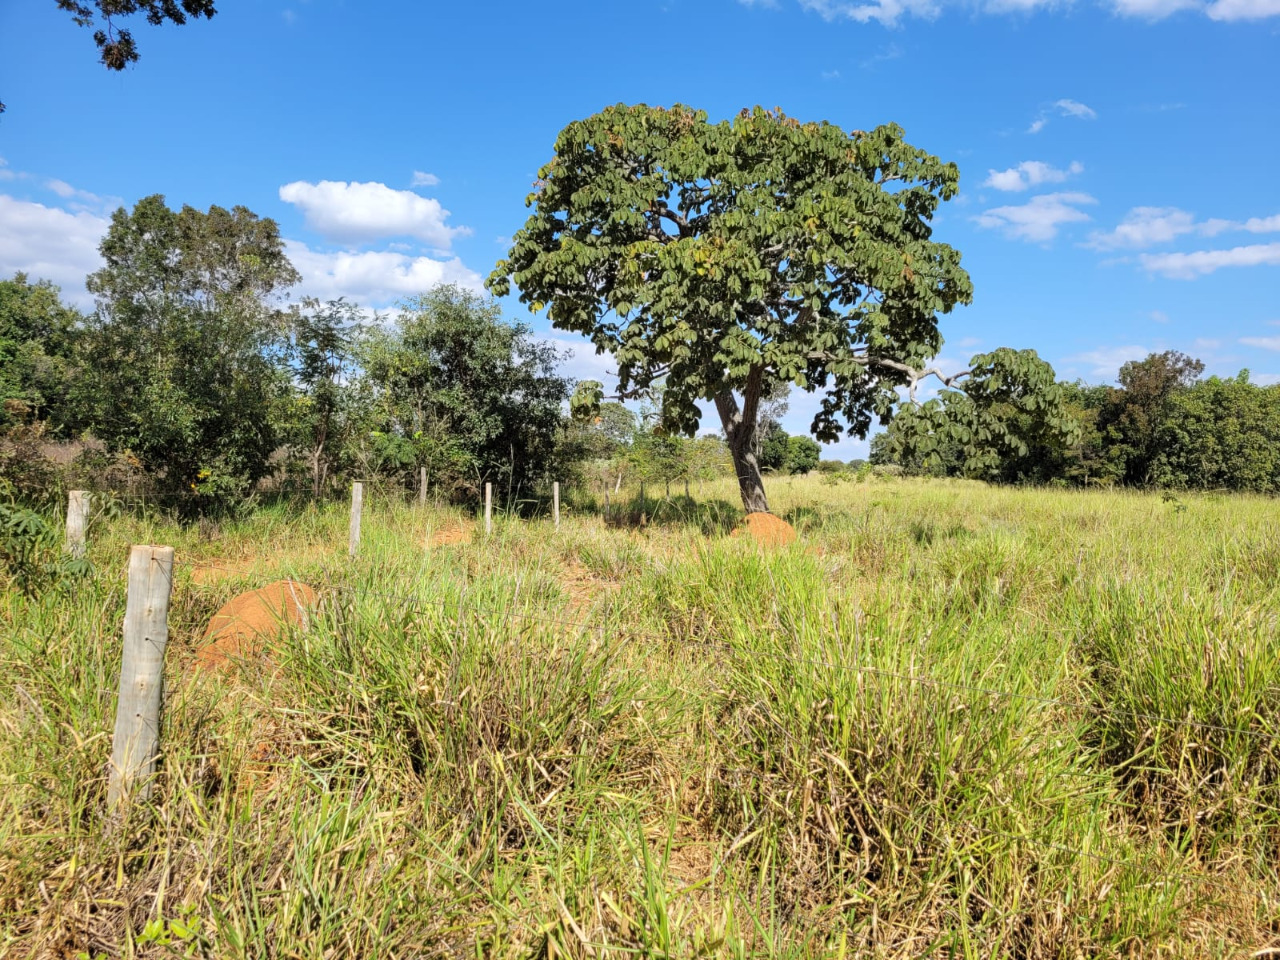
point(951, 720)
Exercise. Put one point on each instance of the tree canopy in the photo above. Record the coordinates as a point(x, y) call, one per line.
point(183, 349)
point(452, 387)
point(725, 259)
point(115, 43)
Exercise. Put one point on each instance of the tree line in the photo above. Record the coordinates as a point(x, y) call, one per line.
point(1163, 425)
point(195, 378)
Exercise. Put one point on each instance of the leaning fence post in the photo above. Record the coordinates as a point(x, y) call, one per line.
point(136, 743)
point(357, 506)
point(488, 508)
point(77, 520)
point(555, 502)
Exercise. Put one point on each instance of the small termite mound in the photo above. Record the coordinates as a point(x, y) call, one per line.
point(246, 625)
point(766, 530)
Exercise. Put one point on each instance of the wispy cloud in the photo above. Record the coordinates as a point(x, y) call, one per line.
point(1065, 107)
point(1188, 266)
point(421, 179)
point(1039, 219)
point(890, 12)
point(1265, 343)
point(1149, 226)
point(1107, 361)
point(1028, 174)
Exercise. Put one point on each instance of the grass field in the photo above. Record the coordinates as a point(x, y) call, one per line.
point(951, 721)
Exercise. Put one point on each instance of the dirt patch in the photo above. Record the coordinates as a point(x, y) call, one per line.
point(246, 625)
point(583, 587)
point(766, 530)
point(448, 536)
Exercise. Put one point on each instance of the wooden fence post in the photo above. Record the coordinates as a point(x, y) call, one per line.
point(136, 743)
point(422, 486)
point(357, 507)
point(555, 502)
point(488, 508)
point(77, 521)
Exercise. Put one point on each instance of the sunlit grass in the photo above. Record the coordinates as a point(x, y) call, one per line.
point(951, 719)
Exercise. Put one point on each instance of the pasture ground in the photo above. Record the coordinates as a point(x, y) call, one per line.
point(950, 720)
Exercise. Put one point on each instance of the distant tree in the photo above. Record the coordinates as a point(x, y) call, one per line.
point(182, 358)
point(773, 448)
point(37, 343)
point(727, 259)
point(1135, 413)
point(803, 454)
point(452, 387)
point(1220, 433)
point(320, 417)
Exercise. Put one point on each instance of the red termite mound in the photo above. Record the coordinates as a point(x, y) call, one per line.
point(766, 530)
point(247, 624)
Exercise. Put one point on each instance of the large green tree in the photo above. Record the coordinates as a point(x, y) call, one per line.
point(37, 339)
point(1133, 414)
point(726, 259)
point(183, 354)
point(451, 386)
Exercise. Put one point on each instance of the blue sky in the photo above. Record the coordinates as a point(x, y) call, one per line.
point(1118, 159)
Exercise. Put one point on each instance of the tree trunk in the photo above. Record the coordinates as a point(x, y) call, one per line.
point(740, 429)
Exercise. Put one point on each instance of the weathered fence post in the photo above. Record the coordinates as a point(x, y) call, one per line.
point(422, 486)
point(136, 743)
point(357, 507)
point(488, 508)
point(77, 521)
point(555, 502)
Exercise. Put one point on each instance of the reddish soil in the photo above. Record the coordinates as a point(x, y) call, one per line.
point(448, 536)
point(766, 530)
point(244, 627)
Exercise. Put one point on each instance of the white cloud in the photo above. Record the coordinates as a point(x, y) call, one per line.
point(830, 74)
point(1148, 226)
point(1107, 361)
point(1159, 316)
point(1028, 174)
point(1266, 343)
point(890, 12)
point(1188, 266)
point(1143, 227)
point(885, 12)
point(1151, 9)
point(374, 277)
point(1066, 108)
point(358, 212)
point(1243, 9)
point(1074, 108)
point(1039, 218)
point(50, 244)
point(580, 361)
point(421, 179)
point(1262, 224)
